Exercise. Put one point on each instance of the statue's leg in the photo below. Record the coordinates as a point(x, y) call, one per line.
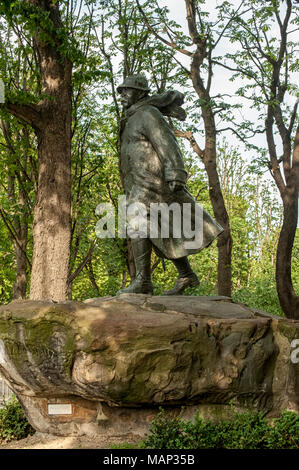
point(142, 284)
point(187, 277)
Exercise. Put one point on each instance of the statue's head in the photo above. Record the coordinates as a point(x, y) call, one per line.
point(134, 88)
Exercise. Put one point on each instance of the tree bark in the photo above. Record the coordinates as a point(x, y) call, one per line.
point(130, 260)
point(224, 242)
point(51, 120)
point(18, 225)
point(20, 247)
point(92, 277)
point(288, 298)
point(20, 284)
point(52, 212)
point(18, 234)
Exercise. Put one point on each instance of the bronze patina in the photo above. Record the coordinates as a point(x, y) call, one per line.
point(153, 171)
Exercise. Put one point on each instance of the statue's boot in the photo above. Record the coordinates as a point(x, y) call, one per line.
point(142, 284)
point(187, 277)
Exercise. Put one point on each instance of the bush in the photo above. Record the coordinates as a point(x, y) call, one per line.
point(243, 431)
point(261, 294)
point(13, 422)
point(127, 445)
point(168, 433)
point(284, 434)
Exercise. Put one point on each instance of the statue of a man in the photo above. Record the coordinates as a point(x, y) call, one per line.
point(153, 171)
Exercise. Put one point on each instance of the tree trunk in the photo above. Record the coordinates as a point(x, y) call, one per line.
point(69, 291)
point(51, 120)
point(224, 242)
point(130, 260)
point(52, 212)
point(19, 235)
point(288, 299)
point(92, 277)
point(20, 284)
point(20, 247)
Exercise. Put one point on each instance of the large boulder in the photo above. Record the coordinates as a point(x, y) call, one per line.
point(106, 365)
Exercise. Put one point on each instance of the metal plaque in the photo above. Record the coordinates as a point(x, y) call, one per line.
point(59, 408)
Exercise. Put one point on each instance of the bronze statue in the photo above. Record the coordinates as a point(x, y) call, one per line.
point(153, 171)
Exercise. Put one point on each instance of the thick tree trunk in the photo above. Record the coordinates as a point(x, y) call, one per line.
point(51, 120)
point(52, 213)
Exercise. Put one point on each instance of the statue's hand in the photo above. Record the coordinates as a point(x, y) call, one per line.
point(175, 186)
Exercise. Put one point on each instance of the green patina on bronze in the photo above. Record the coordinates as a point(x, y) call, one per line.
point(153, 173)
point(151, 158)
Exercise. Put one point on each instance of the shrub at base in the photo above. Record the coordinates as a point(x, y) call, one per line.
point(13, 422)
point(244, 431)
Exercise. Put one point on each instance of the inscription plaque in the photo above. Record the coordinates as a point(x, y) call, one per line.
point(59, 409)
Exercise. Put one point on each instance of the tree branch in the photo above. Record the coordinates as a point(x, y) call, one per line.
point(168, 43)
point(28, 113)
point(13, 235)
point(272, 152)
point(293, 117)
point(190, 137)
point(83, 263)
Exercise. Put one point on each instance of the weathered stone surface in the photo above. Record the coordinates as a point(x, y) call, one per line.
point(117, 359)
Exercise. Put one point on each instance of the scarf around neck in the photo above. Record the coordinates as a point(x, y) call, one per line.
point(169, 104)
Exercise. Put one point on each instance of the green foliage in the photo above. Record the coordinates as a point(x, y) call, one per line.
point(106, 41)
point(260, 294)
point(247, 430)
point(168, 432)
point(13, 422)
point(128, 445)
point(285, 432)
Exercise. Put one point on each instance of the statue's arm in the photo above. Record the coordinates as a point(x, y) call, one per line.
point(160, 135)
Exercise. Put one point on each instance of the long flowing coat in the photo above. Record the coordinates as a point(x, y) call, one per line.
point(150, 159)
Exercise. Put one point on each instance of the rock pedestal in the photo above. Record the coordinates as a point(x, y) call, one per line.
point(105, 366)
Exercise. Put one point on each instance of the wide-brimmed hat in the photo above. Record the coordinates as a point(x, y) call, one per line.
point(139, 82)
